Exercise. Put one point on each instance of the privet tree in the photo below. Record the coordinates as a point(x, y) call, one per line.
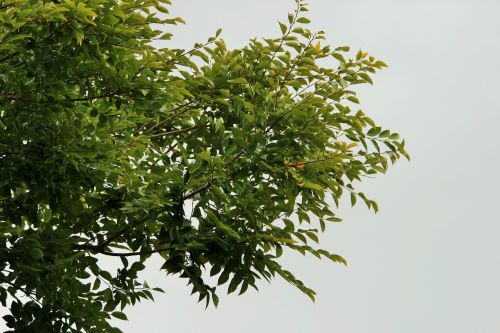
point(215, 159)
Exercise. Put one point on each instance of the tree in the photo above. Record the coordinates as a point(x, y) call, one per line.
point(215, 159)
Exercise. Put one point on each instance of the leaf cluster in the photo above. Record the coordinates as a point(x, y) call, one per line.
point(215, 159)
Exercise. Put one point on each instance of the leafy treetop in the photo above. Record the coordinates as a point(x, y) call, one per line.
point(215, 159)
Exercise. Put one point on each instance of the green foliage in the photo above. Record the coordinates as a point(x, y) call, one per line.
point(215, 159)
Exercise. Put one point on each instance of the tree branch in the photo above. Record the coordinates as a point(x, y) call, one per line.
point(196, 191)
point(181, 130)
point(11, 97)
point(119, 254)
point(24, 291)
point(102, 246)
point(182, 109)
point(90, 98)
point(8, 57)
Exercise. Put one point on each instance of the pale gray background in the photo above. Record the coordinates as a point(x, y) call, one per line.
point(428, 262)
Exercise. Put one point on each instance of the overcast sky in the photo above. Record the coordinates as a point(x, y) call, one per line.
point(429, 261)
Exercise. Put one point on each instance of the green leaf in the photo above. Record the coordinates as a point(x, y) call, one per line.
point(359, 55)
point(394, 136)
point(36, 253)
point(119, 315)
point(235, 282)
point(366, 77)
point(110, 19)
point(239, 80)
point(353, 198)
point(15, 37)
point(353, 99)
point(283, 27)
point(380, 64)
point(97, 284)
point(224, 227)
point(223, 277)
point(311, 185)
point(384, 134)
point(374, 131)
point(205, 155)
point(339, 57)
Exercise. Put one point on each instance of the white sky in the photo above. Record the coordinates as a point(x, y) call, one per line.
point(428, 262)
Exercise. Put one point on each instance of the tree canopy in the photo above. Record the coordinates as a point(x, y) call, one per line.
point(215, 159)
